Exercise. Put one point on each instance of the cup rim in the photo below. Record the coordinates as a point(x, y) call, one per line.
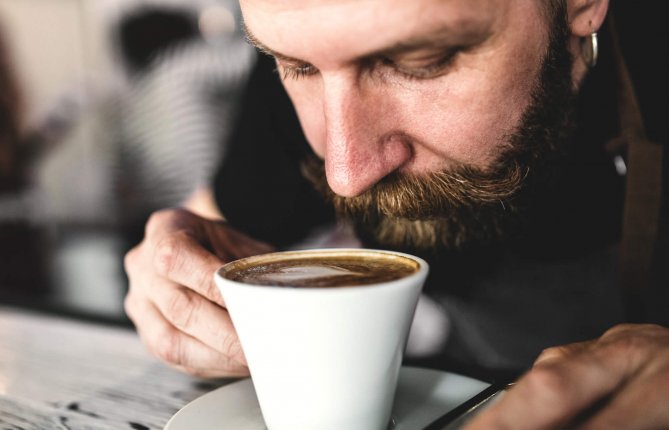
point(421, 272)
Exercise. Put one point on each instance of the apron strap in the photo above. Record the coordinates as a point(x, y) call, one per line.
point(643, 192)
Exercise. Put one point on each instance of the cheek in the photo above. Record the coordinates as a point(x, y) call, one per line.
point(466, 116)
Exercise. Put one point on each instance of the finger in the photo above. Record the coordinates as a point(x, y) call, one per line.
point(254, 247)
point(205, 373)
point(179, 258)
point(167, 220)
point(562, 352)
point(640, 335)
point(552, 394)
point(201, 319)
point(231, 244)
point(176, 348)
point(636, 407)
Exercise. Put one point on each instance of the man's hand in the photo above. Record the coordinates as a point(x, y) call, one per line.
point(619, 381)
point(173, 301)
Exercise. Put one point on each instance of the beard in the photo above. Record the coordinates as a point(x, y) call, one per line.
point(465, 207)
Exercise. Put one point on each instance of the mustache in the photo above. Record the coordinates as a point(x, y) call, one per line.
point(429, 196)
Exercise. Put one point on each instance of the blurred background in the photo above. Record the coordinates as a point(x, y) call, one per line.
point(112, 109)
point(109, 110)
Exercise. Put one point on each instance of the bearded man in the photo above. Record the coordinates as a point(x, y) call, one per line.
point(468, 132)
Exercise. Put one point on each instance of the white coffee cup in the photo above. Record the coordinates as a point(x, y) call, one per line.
point(324, 358)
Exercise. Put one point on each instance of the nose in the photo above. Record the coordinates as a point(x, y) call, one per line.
point(363, 142)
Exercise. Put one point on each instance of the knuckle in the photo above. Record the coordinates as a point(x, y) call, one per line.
point(130, 260)
point(562, 352)
point(166, 216)
point(181, 308)
point(547, 382)
point(167, 255)
point(632, 347)
point(159, 217)
point(231, 345)
point(129, 306)
point(617, 329)
point(169, 348)
point(636, 337)
point(209, 288)
point(653, 331)
point(550, 353)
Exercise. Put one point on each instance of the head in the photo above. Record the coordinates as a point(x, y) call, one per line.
point(429, 116)
point(150, 30)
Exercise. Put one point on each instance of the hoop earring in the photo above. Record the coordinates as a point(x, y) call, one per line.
point(590, 50)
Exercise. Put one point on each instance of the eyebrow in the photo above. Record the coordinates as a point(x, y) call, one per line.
point(265, 49)
point(438, 41)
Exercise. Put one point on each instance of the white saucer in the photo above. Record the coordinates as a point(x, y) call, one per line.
point(422, 396)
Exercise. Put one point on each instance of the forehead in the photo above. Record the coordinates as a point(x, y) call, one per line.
point(298, 27)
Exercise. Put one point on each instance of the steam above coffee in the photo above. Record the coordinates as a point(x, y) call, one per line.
point(323, 271)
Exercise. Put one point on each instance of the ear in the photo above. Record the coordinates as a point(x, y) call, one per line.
point(586, 16)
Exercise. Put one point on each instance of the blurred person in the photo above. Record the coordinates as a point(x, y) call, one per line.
point(22, 257)
point(179, 105)
point(155, 130)
point(110, 150)
point(10, 121)
point(472, 133)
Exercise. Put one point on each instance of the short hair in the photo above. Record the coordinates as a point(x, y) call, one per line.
point(150, 30)
point(554, 8)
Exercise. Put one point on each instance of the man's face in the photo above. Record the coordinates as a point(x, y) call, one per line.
point(430, 116)
point(407, 86)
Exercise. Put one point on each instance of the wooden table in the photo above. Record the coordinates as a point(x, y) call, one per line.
point(57, 373)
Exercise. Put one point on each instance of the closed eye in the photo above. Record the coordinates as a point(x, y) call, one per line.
point(295, 71)
point(421, 69)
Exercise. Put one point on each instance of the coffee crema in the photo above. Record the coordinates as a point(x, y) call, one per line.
point(323, 271)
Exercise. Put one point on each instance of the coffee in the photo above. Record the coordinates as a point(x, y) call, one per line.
point(322, 270)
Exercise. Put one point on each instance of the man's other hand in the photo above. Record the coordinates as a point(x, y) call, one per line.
point(619, 381)
point(173, 301)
